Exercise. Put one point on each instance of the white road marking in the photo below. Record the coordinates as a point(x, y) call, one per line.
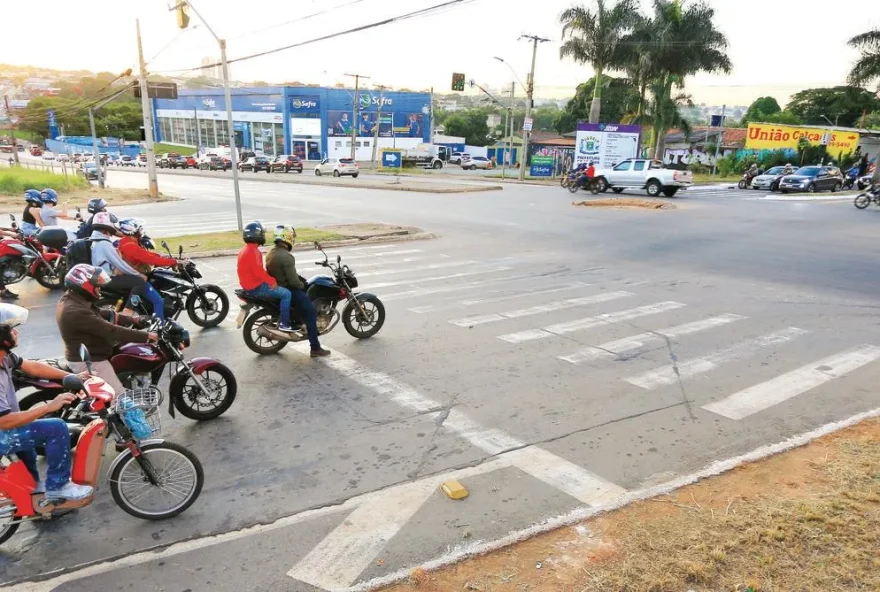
point(782, 388)
point(437, 278)
point(522, 294)
point(389, 262)
point(689, 368)
point(446, 289)
point(392, 271)
point(628, 345)
point(541, 308)
point(590, 322)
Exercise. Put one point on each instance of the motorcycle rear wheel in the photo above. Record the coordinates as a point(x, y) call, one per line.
point(259, 344)
point(45, 278)
point(7, 530)
point(183, 467)
point(364, 328)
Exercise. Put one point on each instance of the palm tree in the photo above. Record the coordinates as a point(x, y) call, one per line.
point(594, 38)
point(867, 67)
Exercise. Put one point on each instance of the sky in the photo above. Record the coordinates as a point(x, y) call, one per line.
point(778, 47)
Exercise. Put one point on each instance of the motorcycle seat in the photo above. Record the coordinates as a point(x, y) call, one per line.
point(270, 302)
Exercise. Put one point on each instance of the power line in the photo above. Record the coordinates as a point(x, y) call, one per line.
point(296, 20)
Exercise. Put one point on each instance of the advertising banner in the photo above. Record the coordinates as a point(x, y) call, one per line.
point(541, 166)
point(53, 124)
point(401, 125)
point(764, 136)
point(305, 106)
point(605, 144)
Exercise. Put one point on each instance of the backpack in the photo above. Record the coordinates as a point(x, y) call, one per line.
point(79, 251)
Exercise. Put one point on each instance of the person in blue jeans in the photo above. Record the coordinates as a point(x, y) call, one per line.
point(22, 431)
point(254, 279)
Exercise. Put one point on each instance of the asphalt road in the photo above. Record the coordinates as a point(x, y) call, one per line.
point(555, 357)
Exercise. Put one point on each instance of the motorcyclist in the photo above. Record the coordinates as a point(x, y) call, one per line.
point(95, 206)
point(49, 212)
point(753, 171)
point(875, 178)
point(82, 323)
point(31, 221)
point(22, 431)
point(788, 170)
point(125, 279)
point(281, 265)
point(132, 250)
point(254, 279)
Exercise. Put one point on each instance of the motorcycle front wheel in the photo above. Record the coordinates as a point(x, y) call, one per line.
point(257, 343)
point(49, 279)
point(208, 309)
point(364, 325)
point(192, 402)
point(862, 201)
point(179, 479)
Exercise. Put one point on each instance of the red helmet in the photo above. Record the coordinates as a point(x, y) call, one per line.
point(86, 280)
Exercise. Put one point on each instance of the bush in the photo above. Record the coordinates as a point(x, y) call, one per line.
point(15, 180)
point(698, 168)
point(725, 165)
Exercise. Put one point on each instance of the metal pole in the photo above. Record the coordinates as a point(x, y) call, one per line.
point(432, 116)
point(510, 122)
point(233, 151)
point(531, 93)
point(95, 148)
point(378, 124)
point(720, 138)
point(11, 131)
point(198, 132)
point(146, 106)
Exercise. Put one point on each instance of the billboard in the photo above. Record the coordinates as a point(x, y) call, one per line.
point(605, 144)
point(401, 125)
point(765, 136)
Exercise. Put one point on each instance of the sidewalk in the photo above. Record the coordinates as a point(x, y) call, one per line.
point(805, 519)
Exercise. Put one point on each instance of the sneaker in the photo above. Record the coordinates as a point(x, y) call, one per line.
point(320, 353)
point(286, 328)
point(8, 295)
point(70, 491)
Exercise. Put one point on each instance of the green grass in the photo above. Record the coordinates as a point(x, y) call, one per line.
point(13, 181)
point(231, 239)
point(703, 178)
point(160, 148)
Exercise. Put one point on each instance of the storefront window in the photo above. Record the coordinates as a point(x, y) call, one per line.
point(221, 130)
point(206, 130)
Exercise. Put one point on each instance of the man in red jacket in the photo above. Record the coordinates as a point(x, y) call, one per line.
point(134, 254)
point(254, 278)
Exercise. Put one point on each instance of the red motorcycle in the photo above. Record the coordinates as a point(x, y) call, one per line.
point(150, 478)
point(201, 389)
point(27, 257)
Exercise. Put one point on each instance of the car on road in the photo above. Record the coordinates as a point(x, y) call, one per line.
point(191, 162)
point(171, 160)
point(813, 178)
point(19, 147)
point(126, 160)
point(639, 173)
point(476, 162)
point(6, 149)
point(89, 170)
point(256, 164)
point(48, 155)
point(769, 180)
point(457, 157)
point(211, 163)
point(337, 167)
point(287, 163)
point(36, 151)
point(63, 158)
point(142, 159)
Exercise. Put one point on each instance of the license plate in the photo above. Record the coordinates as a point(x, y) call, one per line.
point(239, 320)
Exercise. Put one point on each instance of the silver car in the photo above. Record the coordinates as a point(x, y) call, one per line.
point(769, 181)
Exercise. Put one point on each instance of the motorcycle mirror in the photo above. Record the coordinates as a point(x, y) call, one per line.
point(85, 357)
point(338, 259)
point(180, 251)
point(317, 245)
point(72, 383)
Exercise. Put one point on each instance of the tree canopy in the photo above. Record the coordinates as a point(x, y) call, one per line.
point(844, 105)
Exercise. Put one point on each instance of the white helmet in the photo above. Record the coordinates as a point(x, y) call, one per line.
point(131, 226)
point(11, 316)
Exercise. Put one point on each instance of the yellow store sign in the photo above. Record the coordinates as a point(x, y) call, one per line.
point(764, 136)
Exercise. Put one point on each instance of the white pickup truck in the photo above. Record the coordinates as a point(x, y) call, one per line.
point(638, 173)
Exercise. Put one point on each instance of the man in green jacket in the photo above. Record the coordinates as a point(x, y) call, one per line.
point(281, 265)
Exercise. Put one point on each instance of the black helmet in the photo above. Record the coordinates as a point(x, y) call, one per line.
point(254, 233)
point(97, 204)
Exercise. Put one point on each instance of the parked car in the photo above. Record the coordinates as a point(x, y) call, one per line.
point(256, 164)
point(337, 167)
point(638, 173)
point(48, 155)
point(769, 181)
point(457, 157)
point(211, 163)
point(812, 179)
point(476, 162)
point(287, 163)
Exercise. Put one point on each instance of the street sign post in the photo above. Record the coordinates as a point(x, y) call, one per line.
point(527, 124)
point(391, 159)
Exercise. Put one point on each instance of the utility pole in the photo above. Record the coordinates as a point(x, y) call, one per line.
point(378, 124)
point(720, 138)
point(432, 117)
point(198, 133)
point(529, 100)
point(11, 130)
point(95, 152)
point(147, 107)
point(355, 107)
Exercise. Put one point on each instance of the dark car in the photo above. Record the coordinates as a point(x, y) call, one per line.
point(256, 164)
point(212, 163)
point(812, 179)
point(171, 160)
point(287, 163)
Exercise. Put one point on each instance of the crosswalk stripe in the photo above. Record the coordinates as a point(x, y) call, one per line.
point(628, 345)
point(518, 294)
point(791, 384)
point(444, 265)
point(541, 308)
point(388, 262)
point(437, 278)
point(682, 370)
point(590, 322)
point(447, 289)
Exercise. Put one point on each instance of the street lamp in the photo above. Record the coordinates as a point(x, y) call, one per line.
point(509, 122)
point(836, 118)
point(512, 71)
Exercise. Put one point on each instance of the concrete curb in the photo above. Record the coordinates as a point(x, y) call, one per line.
point(330, 182)
point(347, 242)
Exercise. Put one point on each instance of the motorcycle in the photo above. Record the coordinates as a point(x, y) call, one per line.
point(863, 200)
point(201, 389)
point(850, 178)
point(206, 304)
point(26, 256)
point(747, 179)
point(150, 478)
point(582, 182)
point(363, 315)
point(864, 182)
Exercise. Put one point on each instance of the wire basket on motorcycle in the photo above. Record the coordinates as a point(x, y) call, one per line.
point(139, 410)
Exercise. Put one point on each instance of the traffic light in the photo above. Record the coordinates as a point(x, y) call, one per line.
point(182, 15)
point(457, 81)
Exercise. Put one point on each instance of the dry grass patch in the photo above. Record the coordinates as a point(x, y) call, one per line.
point(625, 203)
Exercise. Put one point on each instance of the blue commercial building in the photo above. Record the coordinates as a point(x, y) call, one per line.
point(310, 122)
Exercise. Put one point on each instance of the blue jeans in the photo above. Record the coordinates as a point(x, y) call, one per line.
point(50, 433)
point(156, 300)
point(282, 294)
point(304, 308)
